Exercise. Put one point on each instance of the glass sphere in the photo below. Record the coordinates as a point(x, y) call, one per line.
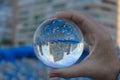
point(58, 43)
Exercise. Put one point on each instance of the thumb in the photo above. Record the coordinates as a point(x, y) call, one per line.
point(63, 72)
point(79, 70)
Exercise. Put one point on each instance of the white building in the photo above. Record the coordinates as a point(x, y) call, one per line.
point(32, 12)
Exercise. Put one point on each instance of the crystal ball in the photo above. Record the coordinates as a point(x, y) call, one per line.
point(58, 43)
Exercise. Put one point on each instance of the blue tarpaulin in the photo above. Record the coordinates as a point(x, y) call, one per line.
point(16, 52)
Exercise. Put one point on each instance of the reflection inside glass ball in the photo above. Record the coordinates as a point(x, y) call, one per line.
point(58, 43)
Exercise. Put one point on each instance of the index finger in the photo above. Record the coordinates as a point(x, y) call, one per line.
point(76, 17)
point(86, 24)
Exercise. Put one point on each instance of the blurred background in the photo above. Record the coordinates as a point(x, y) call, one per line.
point(19, 20)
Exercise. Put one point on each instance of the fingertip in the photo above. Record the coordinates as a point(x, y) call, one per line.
point(59, 14)
point(63, 14)
point(52, 75)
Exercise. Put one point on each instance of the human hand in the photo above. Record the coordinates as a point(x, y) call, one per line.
point(102, 63)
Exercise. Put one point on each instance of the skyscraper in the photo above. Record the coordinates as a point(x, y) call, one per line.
point(5, 20)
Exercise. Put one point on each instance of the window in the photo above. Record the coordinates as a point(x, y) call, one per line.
point(22, 19)
point(23, 13)
point(25, 24)
point(111, 2)
point(30, 36)
point(22, 30)
point(48, 1)
point(36, 20)
point(59, 6)
point(43, 2)
point(106, 9)
point(36, 17)
point(96, 15)
point(86, 8)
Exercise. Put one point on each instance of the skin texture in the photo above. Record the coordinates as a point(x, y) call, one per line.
point(102, 63)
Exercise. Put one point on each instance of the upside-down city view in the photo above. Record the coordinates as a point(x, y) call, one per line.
point(19, 20)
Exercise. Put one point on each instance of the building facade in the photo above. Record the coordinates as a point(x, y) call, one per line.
point(32, 12)
point(5, 21)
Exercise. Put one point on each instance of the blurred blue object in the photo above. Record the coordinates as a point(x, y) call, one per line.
point(8, 56)
point(4, 54)
point(1, 54)
point(25, 51)
point(22, 51)
point(17, 52)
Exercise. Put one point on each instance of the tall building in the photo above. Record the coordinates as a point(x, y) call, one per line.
point(5, 20)
point(32, 12)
